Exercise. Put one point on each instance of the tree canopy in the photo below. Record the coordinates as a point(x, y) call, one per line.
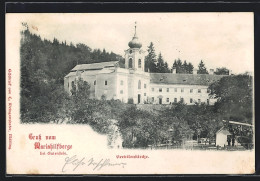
point(201, 68)
point(182, 67)
point(234, 97)
point(222, 71)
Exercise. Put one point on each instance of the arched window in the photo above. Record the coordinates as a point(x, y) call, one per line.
point(139, 84)
point(139, 63)
point(130, 63)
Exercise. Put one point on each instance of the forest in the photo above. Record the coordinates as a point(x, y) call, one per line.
point(44, 64)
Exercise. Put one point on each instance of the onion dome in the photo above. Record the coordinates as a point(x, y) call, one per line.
point(134, 43)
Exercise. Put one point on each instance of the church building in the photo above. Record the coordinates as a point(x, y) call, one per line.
point(133, 84)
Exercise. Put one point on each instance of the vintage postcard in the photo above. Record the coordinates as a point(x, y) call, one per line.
point(130, 93)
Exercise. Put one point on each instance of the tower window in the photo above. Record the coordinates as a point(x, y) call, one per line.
point(105, 82)
point(139, 63)
point(130, 63)
point(167, 99)
point(145, 86)
point(191, 90)
point(191, 100)
point(130, 51)
point(167, 89)
point(160, 89)
point(199, 90)
point(139, 84)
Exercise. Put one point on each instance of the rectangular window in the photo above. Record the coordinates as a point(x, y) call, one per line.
point(121, 82)
point(105, 82)
point(160, 89)
point(153, 89)
point(145, 86)
point(144, 94)
point(191, 100)
point(167, 99)
point(191, 90)
point(175, 100)
point(175, 89)
point(152, 99)
point(199, 90)
point(94, 82)
point(182, 89)
point(167, 89)
point(199, 101)
point(139, 63)
point(121, 92)
point(182, 100)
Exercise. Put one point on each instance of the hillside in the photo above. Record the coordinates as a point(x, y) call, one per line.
point(56, 58)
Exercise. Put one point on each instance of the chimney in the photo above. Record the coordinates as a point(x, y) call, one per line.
point(211, 71)
point(195, 71)
point(173, 70)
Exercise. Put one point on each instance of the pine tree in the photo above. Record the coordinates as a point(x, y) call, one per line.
point(201, 68)
point(160, 64)
point(190, 68)
point(150, 59)
point(185, 67)
point(166, 68)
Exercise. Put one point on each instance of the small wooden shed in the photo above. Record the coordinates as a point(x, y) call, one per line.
point(221, 137)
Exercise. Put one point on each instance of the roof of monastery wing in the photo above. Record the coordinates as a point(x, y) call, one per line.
point(186, 79)
point(95, 66)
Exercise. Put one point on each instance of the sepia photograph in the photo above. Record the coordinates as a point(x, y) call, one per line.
point(130, 93)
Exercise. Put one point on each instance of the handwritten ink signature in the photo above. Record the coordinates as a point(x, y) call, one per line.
point(74, 163)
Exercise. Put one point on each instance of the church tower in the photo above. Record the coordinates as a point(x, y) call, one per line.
point(134, 56)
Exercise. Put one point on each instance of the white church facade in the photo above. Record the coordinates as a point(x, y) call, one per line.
point(133, 84)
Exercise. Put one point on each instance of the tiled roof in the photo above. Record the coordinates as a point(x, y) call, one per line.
point(95, 66)
point(186, 79)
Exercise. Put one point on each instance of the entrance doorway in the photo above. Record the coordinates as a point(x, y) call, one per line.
point(139, 98)
point(160, 100)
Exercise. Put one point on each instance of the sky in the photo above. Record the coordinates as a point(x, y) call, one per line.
point(219, 39)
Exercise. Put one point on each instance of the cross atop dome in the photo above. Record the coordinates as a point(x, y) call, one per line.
point(135, 29)
point(134, 43)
